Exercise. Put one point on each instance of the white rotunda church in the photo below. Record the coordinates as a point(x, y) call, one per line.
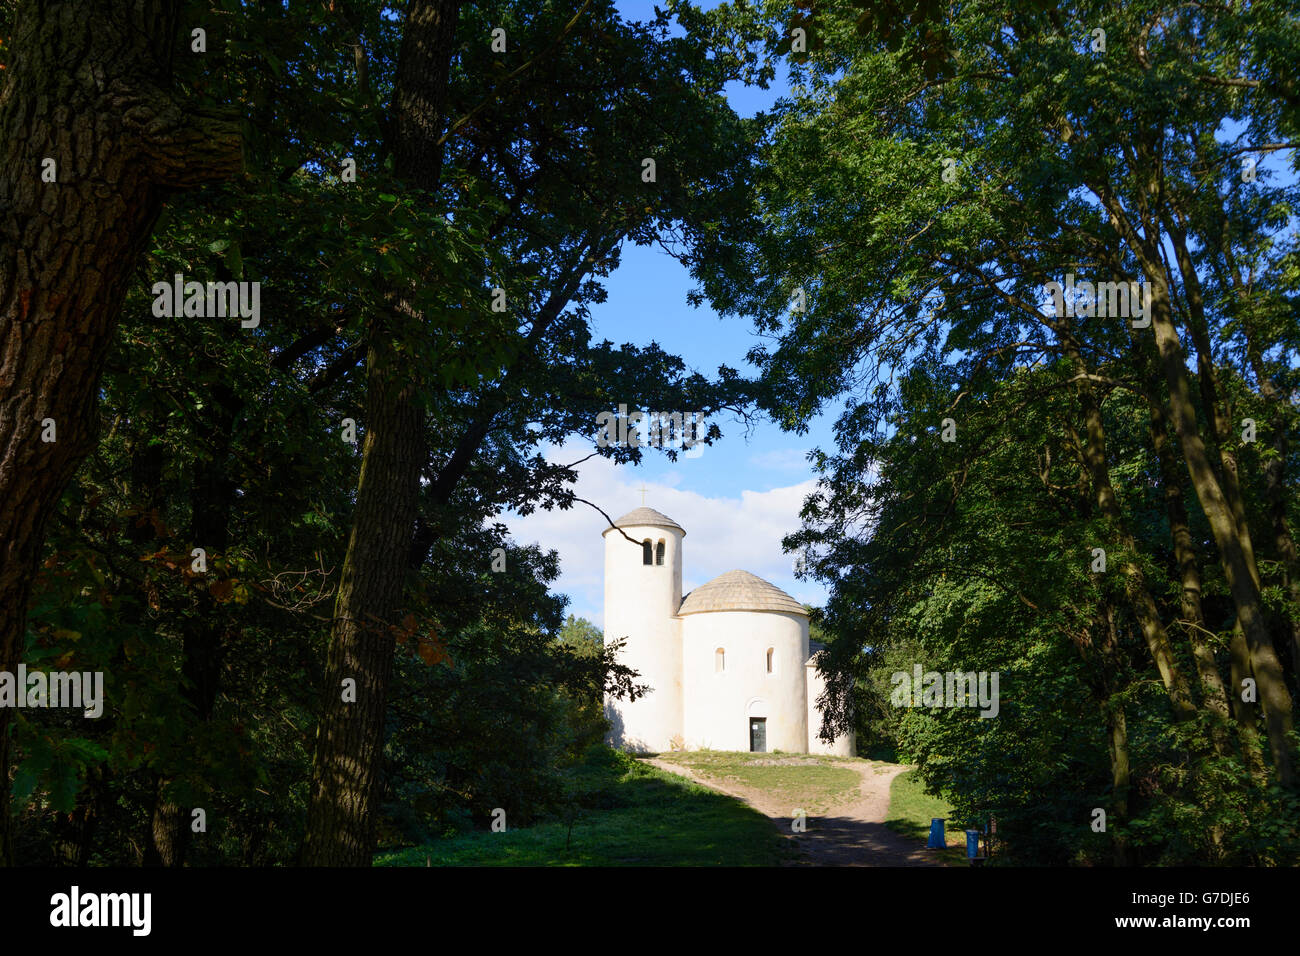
point(729, 665)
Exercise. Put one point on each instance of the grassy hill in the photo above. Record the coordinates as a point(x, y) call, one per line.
point(627, 813)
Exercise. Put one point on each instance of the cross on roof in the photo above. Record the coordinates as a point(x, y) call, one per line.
point(643, 490)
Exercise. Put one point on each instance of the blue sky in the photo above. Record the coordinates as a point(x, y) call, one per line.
point(744, 493)
point(741, 495)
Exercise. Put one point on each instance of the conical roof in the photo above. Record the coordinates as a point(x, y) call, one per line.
point(739, 591)
point(645, 516)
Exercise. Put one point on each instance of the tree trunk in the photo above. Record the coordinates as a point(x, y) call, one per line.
point(1234, 555)
point(1137, 590)
point(212, 498)
point(1242, 712)
point(1189, 572)
point(1281, 422)
point(347, 769)
point(167, 831)
point(1121, 775)
point(1213, 693)
point(1112, 706)
point(1207, 378)
point(89, 86)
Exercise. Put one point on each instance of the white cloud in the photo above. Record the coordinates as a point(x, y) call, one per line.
point(722, 533)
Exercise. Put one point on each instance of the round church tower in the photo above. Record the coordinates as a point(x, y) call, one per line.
point(643, 591)
point(744, 647)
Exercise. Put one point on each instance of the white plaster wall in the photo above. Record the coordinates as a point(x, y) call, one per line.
point(717, 705)
point(844, 743)
point(641, 603)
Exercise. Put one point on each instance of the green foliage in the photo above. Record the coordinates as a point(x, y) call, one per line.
point(931, 170)
point(924, 294)
point(229, 439)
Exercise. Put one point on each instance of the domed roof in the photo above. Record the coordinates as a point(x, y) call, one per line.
point(645, 516)
point(739, 591)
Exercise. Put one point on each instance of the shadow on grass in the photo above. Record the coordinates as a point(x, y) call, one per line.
point(643, 817)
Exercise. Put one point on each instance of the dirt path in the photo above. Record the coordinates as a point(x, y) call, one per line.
point(849, 834)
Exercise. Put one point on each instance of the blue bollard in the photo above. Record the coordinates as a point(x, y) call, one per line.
point(937, 839)
point(972, 843)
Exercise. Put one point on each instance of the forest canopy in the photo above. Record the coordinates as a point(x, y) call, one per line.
point(294, 297)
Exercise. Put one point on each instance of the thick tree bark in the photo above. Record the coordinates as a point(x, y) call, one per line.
point(347, 769)
point(167, 831)
point(89, 86)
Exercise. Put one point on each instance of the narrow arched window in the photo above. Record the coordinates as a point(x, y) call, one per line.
point(647, 552)
point(659, 552)
point(719, 660)
point(769, 660)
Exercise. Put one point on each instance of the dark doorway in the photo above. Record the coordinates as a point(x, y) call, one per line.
point(758, 735)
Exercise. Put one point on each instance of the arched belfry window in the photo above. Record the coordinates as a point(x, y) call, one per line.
point(769, 660)
point(719, 660)
point(647, 552)
point(659, 552)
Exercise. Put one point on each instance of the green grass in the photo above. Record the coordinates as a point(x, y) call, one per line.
point(813, 784)
point(910, 812)
point(637, 816)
